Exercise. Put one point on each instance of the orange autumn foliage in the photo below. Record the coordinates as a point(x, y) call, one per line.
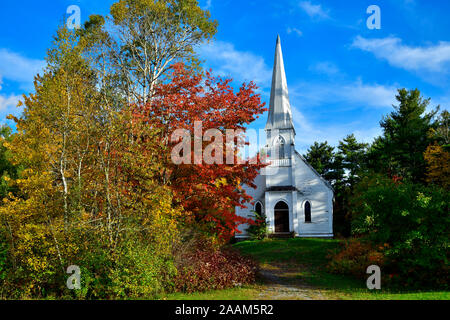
point(355, 256)
point(210, 191)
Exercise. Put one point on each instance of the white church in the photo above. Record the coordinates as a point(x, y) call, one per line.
point(293, 197)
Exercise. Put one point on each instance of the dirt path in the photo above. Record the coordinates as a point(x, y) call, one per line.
point(283, 282)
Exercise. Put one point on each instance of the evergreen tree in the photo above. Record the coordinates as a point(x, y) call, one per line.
point(329, 164)
point(348, 162)
point(399, 152)
point(352, 154)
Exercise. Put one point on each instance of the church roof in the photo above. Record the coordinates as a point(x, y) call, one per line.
point(280, 114)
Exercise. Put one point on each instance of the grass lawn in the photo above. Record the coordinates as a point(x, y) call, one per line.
point(304, 260)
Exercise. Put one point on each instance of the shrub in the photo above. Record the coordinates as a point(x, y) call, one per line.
point(140, 272)
point(139, 267)
point(355, 256)
point(202, 266)
point(414, 221)
point(258, 230)
point(34, 267)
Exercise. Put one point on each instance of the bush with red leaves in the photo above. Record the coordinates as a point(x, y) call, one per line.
point(203, 267)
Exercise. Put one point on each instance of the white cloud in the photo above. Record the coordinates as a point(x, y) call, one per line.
point(325, 67)
point(300, 120)
point(225, 60)
point(208, 5)
point(309, 132)
point(9, 103)
point(354, 94)
point(294, 30)
point(348, 95)
point(367, 95)
point(314, 10)
point(14, 67)
point(443, 102)
point(434, 58)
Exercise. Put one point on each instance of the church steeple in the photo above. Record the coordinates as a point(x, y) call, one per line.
point(280, 114)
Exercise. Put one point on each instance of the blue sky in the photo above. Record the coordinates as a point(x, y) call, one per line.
point(342, 76)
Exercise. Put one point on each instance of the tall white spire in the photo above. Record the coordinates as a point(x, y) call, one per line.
point(280, 114)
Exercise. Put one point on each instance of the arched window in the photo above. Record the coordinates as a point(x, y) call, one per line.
point(258, 209)
point(281, 152)
point(281, 217)
point(279, 147)
point(307, 212)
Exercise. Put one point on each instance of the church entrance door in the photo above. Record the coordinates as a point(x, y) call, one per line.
point(281, 217)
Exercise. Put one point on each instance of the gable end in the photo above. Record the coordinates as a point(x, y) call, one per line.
point(315, 171)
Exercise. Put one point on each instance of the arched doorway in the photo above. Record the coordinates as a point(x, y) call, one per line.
point(281, 217)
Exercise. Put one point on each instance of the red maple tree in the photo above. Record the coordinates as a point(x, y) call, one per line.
point(210, 192)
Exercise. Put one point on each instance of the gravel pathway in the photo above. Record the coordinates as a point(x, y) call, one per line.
point(283, 283)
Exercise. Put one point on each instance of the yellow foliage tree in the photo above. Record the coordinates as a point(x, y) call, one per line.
point(438, 161)
point(88, 196)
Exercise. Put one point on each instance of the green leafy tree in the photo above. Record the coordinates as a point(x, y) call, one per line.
point(140, 40)
point(394, 196)
point(411, 222)
point(442, 132)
